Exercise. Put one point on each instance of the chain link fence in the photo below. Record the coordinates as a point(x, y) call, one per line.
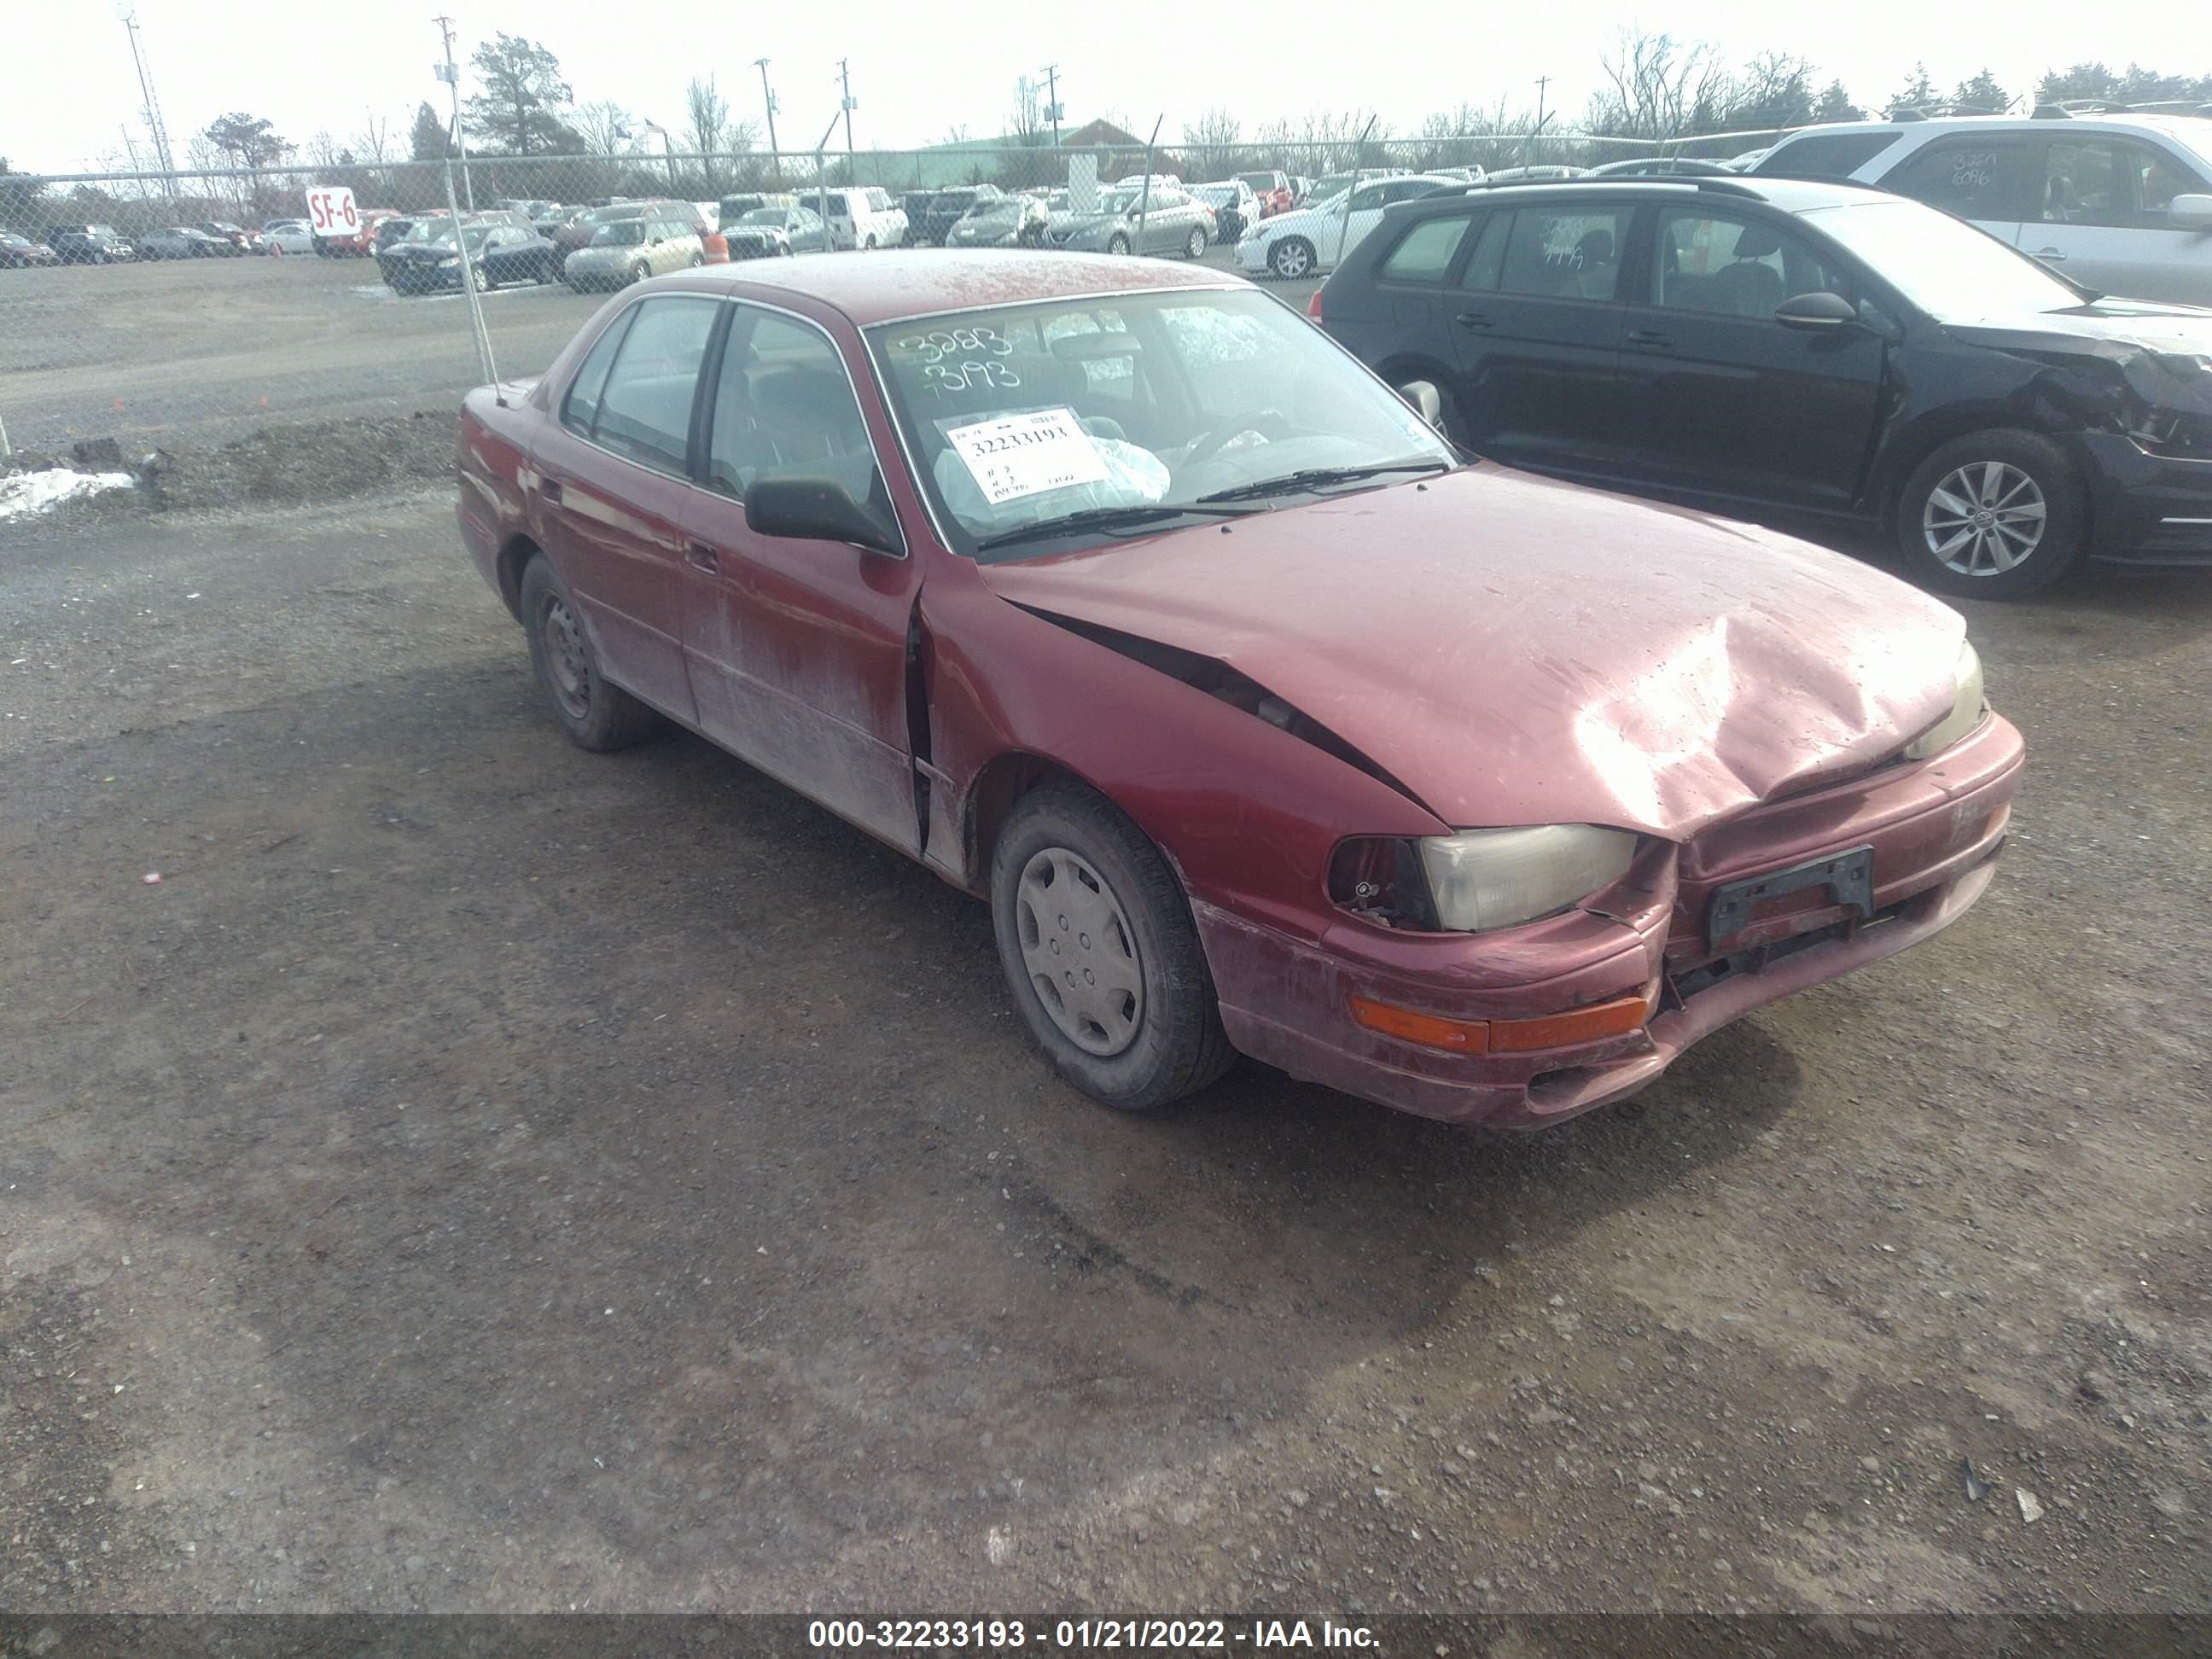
point(192, 310)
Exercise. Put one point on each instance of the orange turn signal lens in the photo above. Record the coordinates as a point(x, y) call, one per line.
point(1502, 1036)
point(1602, 1020)
point(1466, 1036)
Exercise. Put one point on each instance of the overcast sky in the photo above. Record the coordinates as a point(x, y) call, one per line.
point(919, 70)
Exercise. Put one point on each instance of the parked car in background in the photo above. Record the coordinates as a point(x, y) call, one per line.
point(946, 208)
point(1662, 167)
point(500, 244)
point(1000, 221)
point(1235, 207)
point(915, 203)
point(1131, 220)
point(773, 232)
point(1802, 351)
point(1302, 189)
point(533, 210)
point(20, 252)
point(1310, 239)
point(623, 251)
point(2121, 203)
point(578, 232)
point(1470, 792)
point(394, 229)
point(185, 242)
point(1546, 172)
point(1272, 188)
point(289, 236)
point(734, 207)
point(245, 241)
point(362, 240)
point(862, 218)
point(90, 243)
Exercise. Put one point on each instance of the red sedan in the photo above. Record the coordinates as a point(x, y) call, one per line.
point(1122, 598)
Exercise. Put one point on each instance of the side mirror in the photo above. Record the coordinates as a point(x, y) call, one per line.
point(815, 509)
point(1425, 401)
point(2189, 213)
point(1817, 314)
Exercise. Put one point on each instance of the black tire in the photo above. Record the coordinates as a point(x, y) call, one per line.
point(596, 714)
point(1194, 248)
point(1291, 259)
point(2029, 489)
point(1176, 1044)
point(1117, 244)
point(641, 272)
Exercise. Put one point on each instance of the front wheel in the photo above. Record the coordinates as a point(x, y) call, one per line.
point(595, 714)
point(639, 272)
point(1101, 954)
point(1291, 259)
point(1195, 247)
point(1117, 244)
point(1992, 515)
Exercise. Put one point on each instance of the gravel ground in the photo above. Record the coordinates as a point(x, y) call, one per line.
point(481, 1174)
point(200, 352)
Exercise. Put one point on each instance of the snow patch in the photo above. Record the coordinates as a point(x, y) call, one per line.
point(24, 495)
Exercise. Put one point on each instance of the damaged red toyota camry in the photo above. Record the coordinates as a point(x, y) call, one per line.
point(1266, 721)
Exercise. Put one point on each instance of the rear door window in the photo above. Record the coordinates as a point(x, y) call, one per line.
point(1825, 155)
point(645, 408)
point(1974, 178)
point(2113, 182)
point(1566, 255)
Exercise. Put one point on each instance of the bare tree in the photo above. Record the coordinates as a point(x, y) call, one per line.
point(708, 116)
point(1216, 136)
point(1656, 87)
point(1026, 125)
point(373, 143)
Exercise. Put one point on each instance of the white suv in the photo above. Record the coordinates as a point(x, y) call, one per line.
point(863, 218)
point(2121, 203)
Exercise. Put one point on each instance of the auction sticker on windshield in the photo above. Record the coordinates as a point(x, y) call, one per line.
point(1025, 454)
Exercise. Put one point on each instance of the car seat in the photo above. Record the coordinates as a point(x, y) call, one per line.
point(1747, 288)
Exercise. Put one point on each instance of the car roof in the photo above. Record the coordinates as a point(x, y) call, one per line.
point(2173, 126)
point(1789, 195)
point(890, 285)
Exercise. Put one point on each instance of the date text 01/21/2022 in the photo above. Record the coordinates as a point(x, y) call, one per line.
point(1084, 1635)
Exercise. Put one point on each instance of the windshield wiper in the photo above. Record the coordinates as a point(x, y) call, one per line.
point(1313, 477)
point(1111, 518)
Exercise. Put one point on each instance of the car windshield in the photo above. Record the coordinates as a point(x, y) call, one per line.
point(1034, 423)
point(1005, 208)
point(623, 233)
point(1945, 266)
point(765, 216)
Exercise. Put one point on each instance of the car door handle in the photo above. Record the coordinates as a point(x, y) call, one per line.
point(700, 556)
point(1472, 319)
point(1649, 336)
point(2051, 254)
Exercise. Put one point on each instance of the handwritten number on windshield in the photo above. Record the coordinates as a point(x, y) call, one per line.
point(937, 345)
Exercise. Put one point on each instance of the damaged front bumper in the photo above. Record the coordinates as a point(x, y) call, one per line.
point(2148, 510)
point(1936, 830)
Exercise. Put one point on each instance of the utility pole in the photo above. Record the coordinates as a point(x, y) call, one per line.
point(154, 124)
point(1051, 73)
point(845, 81)
point(451, 74)
point(767, 98)
point(1543, 83)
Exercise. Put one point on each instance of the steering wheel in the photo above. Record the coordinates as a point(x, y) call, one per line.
point(1269, 424)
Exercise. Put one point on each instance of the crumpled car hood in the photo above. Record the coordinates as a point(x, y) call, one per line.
point(2163, 352)
point(1517, 650)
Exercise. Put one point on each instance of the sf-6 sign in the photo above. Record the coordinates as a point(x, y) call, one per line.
point(331, 211)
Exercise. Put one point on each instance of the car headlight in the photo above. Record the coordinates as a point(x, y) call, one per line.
point(1966, 705)
point(1482, 879)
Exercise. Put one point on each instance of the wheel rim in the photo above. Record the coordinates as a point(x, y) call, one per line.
point(1080, 951)
point(1290, 259)
point(1196, 245)
point(1119, 244)
point(1984, 518)
point(571, 669)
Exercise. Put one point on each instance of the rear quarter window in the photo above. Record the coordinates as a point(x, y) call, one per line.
point(1425, 252)
point(1825, 155)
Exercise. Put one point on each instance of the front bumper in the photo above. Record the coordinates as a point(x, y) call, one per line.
point(1936, 829)
point(2150, 511)
point(1252, 254)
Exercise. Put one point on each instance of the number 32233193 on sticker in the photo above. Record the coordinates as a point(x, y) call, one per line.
point(1022, 454)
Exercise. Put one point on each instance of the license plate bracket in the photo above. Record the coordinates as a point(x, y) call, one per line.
point(1848, 876)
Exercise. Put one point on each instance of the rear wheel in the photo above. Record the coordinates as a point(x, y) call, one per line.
point(1195, 247)
point(1291, 259)
point(871, 245)
point(639, 272)
point(595, 714)
point(1117, 243)
point(1101, 954)
point(1993, 515)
